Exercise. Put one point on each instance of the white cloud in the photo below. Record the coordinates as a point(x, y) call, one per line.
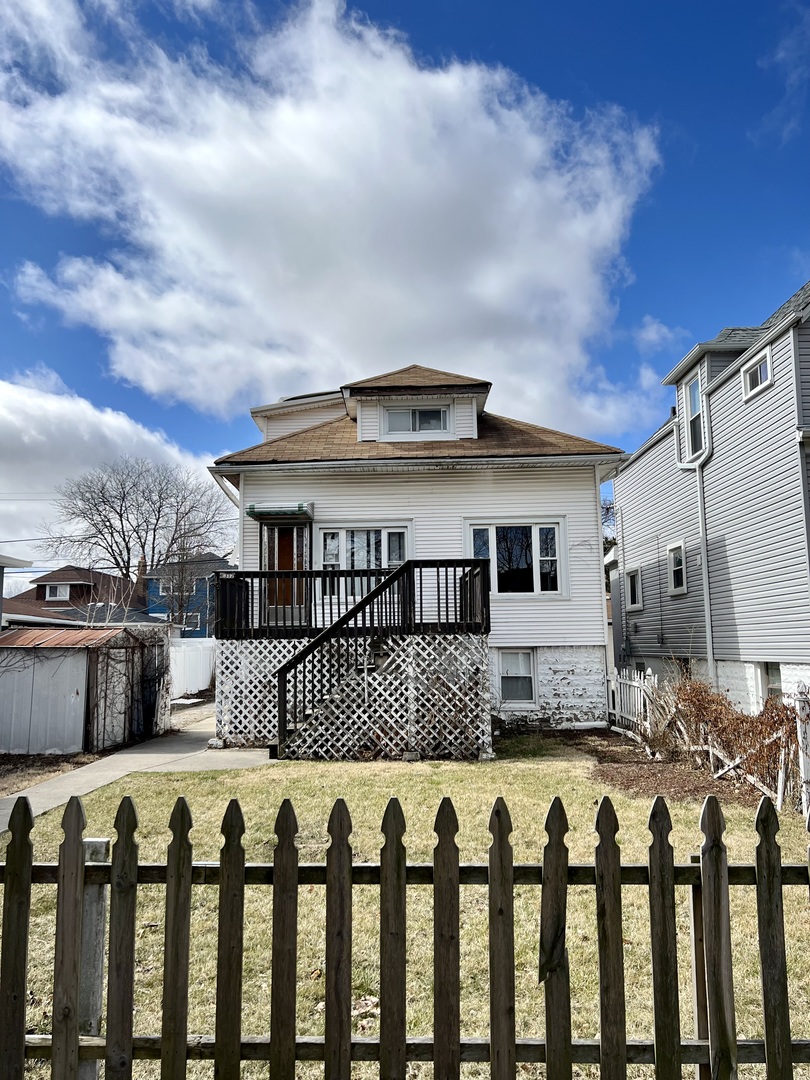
point(791, 60)
point(333, 209)
point(653, 335)
point(47, 438)
point(41, 377)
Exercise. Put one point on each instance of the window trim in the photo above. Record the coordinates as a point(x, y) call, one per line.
point(517, 703)
point(445, 404)
point(341, 528)
point(639, 605)
point(61, 591)
point(672, 589)
point(191, 615)
point(752, 365)
point(165, 587)
point(558, 523)
point(690, 416)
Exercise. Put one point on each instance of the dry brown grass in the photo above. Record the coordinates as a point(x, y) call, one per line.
point(528, 781)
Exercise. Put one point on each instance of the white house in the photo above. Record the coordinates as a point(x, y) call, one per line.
point(403, 488)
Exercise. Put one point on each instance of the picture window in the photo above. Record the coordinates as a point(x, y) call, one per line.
point(524, 558)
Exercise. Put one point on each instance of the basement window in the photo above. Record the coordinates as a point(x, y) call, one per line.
point(517, 683)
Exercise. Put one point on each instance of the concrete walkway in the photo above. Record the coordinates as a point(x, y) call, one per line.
point(184, 750)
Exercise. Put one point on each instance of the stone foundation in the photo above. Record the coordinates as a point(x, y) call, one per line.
point(570, 690)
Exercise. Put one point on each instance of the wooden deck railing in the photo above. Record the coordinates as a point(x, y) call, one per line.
point(710, 881)
point(302, 603)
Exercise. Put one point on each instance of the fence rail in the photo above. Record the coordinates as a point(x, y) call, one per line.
point(713, 989)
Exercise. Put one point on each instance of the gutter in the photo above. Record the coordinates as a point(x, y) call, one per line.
point(415, 465)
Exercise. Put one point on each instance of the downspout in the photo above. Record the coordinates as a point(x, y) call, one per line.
point(697, 466)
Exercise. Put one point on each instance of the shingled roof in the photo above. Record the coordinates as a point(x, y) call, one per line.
point(336, 440)
point(415, 377)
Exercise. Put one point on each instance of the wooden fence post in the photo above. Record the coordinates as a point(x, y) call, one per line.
point(14, 962)
point(771, 925)
point(338, 1052)
point(501, 946)
point(67, 950)
point(553, 952)
point(612, 1008)
point(174, 1030)
point(94, 924)
point(284, 956)
point(121, 976)
point(699, 1006)
point(446, 979)
point(664, 947)
point(392, 945)
point(230, 946)
point(717, 943)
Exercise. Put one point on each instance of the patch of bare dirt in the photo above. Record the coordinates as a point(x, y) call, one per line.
point(622, 763)
point(20, 771)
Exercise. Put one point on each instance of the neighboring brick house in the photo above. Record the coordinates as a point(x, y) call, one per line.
point(713, 516)
point(406, 479)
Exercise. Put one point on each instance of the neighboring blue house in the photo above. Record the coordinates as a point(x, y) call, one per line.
point(183, 593)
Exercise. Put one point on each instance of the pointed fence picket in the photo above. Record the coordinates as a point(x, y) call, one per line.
point(716, 1050)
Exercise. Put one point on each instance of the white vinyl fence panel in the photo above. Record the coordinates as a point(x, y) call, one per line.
point(192, 665)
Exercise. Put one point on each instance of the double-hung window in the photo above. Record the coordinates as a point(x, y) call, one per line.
point(695, 420)
point(676, 569)
point(523, 558)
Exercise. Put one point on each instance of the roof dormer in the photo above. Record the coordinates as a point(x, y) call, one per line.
point(416, 404)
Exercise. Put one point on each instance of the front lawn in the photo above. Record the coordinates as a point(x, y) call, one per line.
point(528, 773)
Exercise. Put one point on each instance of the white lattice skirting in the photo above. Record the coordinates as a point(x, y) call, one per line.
point(247, 693)
point(432, 696)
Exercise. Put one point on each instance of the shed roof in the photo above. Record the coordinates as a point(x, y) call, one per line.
point(45, 638)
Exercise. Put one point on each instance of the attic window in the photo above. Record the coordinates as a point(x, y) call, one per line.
point(757, 374)
point(57, 592)
point(411, 421)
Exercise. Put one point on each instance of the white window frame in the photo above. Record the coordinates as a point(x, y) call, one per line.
point(672, 589)
point(188, 623)
point(690, 416)
point(165, 587)
point(60, 592)
point(517, 703)
point(559, 524)
point(765, 357)
point(638, 606)
point(342, 527)
point(446, 407)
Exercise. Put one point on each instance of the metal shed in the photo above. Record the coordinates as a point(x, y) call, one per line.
point(67, 690)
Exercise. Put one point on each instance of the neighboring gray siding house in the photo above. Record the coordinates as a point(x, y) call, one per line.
point(712, 516)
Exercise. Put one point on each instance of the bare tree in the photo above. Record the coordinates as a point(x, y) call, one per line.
point(132, 509)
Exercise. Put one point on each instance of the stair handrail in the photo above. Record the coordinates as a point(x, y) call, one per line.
point(404, 572)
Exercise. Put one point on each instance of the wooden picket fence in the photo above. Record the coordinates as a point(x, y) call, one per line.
point(716, 1047)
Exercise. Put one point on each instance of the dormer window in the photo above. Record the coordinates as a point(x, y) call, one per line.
point(695, 426)
point(57, 592)
point(412, 421)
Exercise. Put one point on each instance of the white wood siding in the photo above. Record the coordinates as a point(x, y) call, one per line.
point(803, 333)
point(368, 421)
point(437, 507)
point(287, 423)
point(755, 521)
point(657, 505)
point(464, 409)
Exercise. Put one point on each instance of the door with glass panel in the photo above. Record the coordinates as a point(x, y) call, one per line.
point(285, 548)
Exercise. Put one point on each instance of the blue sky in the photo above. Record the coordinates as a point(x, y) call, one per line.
point(205, 205)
